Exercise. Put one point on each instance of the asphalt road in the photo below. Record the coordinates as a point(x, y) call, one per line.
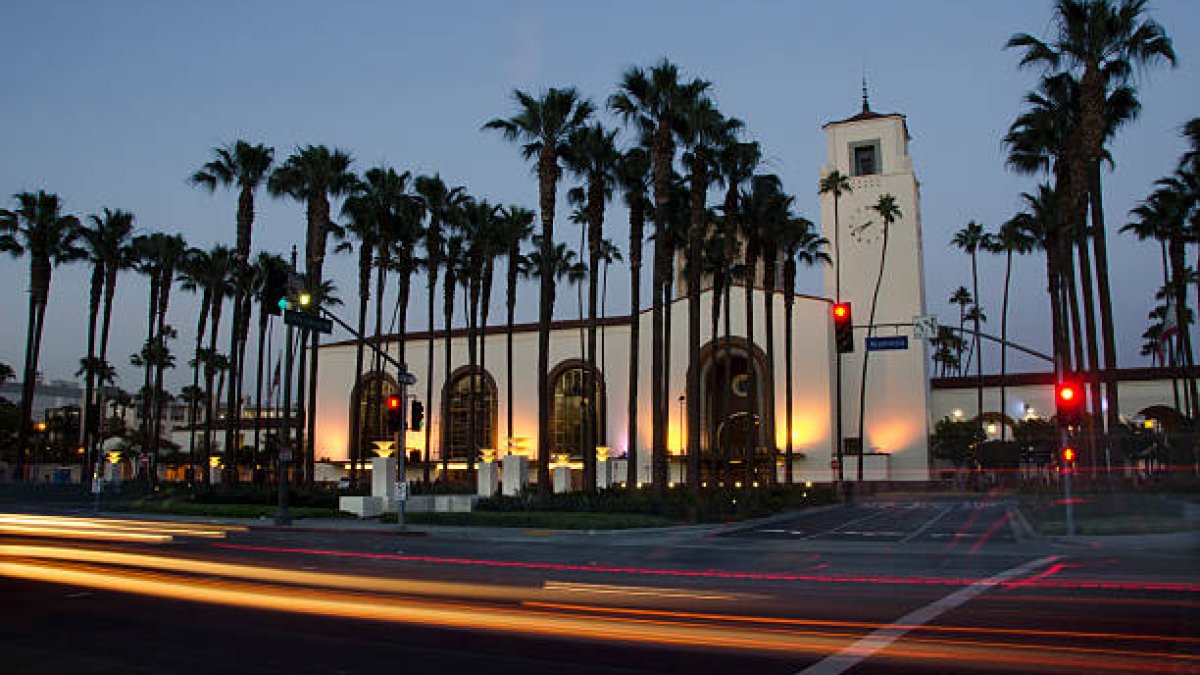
point(806, 593)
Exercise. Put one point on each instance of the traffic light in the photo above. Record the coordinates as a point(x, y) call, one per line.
point(275, 290)
point(1068, 400)
point(418, 416)
point(1068, 458)
point(395, 414)
point(843, 327)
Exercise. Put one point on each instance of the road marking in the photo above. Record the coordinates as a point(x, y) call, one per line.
point(856, 521)
point(928, 524)
point(879, 640)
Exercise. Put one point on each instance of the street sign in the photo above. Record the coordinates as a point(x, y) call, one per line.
point(878, 344)
point(925, 327)
point(402, 490)
point(307, 321)
point(407, 379)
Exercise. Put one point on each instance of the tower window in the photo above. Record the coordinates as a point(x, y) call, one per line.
point(865, 159)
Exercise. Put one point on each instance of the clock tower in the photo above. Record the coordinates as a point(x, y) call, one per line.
point(871, 149)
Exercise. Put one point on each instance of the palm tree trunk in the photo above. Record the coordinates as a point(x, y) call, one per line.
point(209, 404)
point(978, 351)
point(311, 455)
point(429, 376)
point(39, 275)
point(364, 297)
point(1100, 244)
point(485, 302)
point(447, 315)
point(636, 225)
point(1004, 345)
point(472, 316)
point(263, 327)
point(548, 171)
point(1093, 359)
point(85, 418)
point(662, 156)
point(862, 390)
point(110, 287)
point(769, 324)
point(510, 318)
point(301, 406)
point(205, 304)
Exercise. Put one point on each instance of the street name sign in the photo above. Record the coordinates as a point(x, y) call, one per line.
point(890, 342)
point(307, 321)
point(407, 379)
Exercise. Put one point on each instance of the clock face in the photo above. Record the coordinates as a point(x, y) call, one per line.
point(865, 226)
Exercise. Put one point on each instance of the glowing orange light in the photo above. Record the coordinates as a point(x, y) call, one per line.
point(1068, 454)
point(393, 403)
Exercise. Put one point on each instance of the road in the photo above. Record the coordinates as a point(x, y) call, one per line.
point(874, 588)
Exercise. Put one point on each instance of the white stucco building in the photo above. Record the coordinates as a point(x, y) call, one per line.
point(739, 386)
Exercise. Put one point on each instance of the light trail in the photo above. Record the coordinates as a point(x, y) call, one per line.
point(108, 529)
point(649, 591)
point(1174, 587)
point(720, 632)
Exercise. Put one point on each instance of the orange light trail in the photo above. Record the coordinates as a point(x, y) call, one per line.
point(494, 618)
point(108, 529)
point(1176, 587)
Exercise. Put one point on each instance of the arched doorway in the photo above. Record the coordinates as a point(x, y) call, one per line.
point(456, 413)
point(737, 394)
point(568, 408)
point(372, 414)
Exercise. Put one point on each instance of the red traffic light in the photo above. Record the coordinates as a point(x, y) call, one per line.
point(1068, 455)
point(841, 310)
point(393, 403)
point(1066, 393)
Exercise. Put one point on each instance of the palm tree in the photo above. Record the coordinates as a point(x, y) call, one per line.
point(633, 175)
point(313, 175)
point(107, 245)
point(516, 227)
point(245, 166)
point(543, 126)
point(265, 266)
point(836, 183)
point(455, 267)
point(653, 103)
point(761, 209)
point(363, 225)
point(440, 202)
point(1163, 216)
point(37, 227)
point(161, 256)
point(1013, 238)
point(478, 228)
point(591, 153)
point(963, 298)
point(801, 245)
point(384, 207)
point(969, 239)
point(888, 213)
point(1101, 42)
point(706, 132)
point(210, 273)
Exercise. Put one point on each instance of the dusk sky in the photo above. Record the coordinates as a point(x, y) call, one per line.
point(114, 104)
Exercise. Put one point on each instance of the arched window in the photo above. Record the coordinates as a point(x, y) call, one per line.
point(456, 413)
point(568, 409)
point(372, 416)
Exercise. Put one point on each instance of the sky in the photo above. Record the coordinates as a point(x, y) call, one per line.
point(115, 104)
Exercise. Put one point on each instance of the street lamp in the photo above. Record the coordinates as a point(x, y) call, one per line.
point(682, 424)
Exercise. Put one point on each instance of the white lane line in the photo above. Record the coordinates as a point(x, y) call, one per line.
point(878, 514)
point(879, 640)
point(928, 524)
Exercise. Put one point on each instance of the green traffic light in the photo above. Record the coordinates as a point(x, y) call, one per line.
point(283, 303)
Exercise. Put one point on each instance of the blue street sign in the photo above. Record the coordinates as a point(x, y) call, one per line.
point(877, 344)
